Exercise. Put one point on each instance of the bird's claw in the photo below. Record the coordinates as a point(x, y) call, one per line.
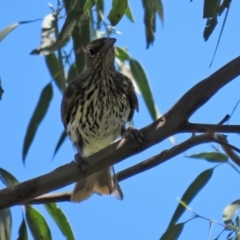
point(133, 134)
point(81, 162)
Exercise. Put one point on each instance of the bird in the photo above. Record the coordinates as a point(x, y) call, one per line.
point(95, 109)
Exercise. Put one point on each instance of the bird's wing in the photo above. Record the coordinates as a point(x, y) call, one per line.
point(128, 88)
point(71, 97)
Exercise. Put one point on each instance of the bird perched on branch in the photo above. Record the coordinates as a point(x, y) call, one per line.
point(95, 108)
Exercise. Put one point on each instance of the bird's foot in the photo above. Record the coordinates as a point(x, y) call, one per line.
point(133, 134)
point(81, 162)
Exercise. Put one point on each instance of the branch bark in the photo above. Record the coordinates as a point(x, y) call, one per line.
point(173, 122)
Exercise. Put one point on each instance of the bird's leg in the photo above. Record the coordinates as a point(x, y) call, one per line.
point(80, 161)
point(133, 133)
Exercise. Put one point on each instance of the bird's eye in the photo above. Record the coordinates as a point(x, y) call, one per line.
point(91, 52)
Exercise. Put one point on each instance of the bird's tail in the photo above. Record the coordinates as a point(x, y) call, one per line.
point(100, 182)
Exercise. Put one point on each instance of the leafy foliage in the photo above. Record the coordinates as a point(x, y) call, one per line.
point(84, 20)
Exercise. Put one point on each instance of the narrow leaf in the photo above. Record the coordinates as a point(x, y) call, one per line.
point(210, 8)
point(129, 14)
point(37, 224)
point(210, 25)
point(159, 9)
point(38, 115)
point(72, 73)
point(73, 17)
point(60, 142)
point(22, 232)
point(210, 156)
point(88, 5)
point(7, 178)
point(143, 84)
point(118, 9)
point(173, 232)
point(121, 54)
point(149, 21)
point(100, 9)
point(225, 4)
point(5, 224)
point(230, 211)
point(190, 193)
point(7, 30)
point(220, 35)
point(11, 27)
point(53, 67)
point(60, 219)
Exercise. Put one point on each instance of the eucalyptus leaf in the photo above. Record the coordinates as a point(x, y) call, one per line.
point(73, 17)
point(55, 71)
point(194, 188)
point(37, 224)
point(11, 27)
point(144, 87)
point(22, 232)
point(210, 156)
point(118, 9)
point(60, 142)
point(7, 178)
point(173, 232)
point(37, 117)
point(60, 219)
point(5, 224)
point(129, 14)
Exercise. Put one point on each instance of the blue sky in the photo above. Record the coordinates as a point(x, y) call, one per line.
point(178, 59)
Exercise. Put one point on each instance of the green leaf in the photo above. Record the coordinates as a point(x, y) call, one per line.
point(37, 224)
point(118, 9)
point(210, 25)
point(88, 5)
point(210, 8)
point(22, 232)
point(143, 84)
point(129, 14)
point(60, 219)
point(100, 9)
point(11, 27)
point(73, 17)
point(159, 8)
point(37, 117)
point(221, 32)
point(72, 73)
point(60, 142)
point(230, 210)
point(225, 5)
point(210, 156)
point(151, 7)
point(190, 193)
point(121, 54)
point(149, 21)
point(5, 224)
point(7, 30)
point(53, 67)
point(7, 178)
point(173, 232)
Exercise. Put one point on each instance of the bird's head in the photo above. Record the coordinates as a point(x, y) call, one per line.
point(100, 53)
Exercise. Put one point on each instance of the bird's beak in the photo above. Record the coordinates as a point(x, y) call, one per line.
point(109, 42)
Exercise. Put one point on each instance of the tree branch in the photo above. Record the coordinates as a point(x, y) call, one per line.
point(136, 169)
point(199, 127)
point(173, 122)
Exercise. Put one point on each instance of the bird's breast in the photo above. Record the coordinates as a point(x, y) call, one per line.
point(100, 117)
